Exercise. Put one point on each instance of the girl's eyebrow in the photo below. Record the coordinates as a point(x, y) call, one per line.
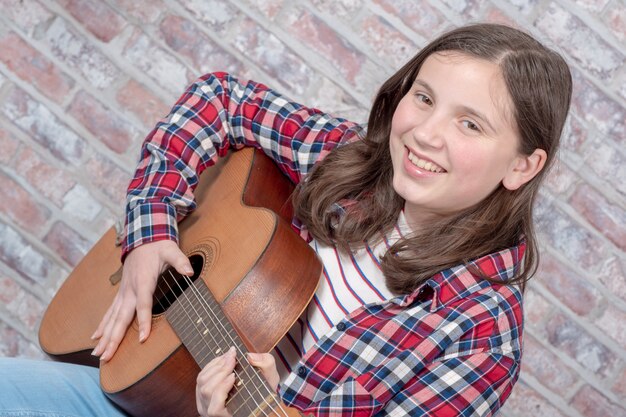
point(425, 85)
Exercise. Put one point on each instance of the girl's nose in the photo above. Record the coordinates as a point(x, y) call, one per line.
point(429, 133)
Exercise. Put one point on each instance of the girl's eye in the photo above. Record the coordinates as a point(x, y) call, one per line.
point(471, 125)
point(424, 99)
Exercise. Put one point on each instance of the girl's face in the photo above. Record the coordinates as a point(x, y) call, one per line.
point(453, 139)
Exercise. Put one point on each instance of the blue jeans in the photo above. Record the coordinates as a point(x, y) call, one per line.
point(30, 388)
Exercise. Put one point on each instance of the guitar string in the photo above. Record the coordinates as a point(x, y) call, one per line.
point(201, 299)
point(194, 324)
point(203, 302)
point(218, 323)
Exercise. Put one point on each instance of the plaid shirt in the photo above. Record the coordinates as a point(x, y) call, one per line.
point(452, 347)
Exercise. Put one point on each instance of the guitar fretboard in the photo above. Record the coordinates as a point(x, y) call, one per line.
point(206, 332)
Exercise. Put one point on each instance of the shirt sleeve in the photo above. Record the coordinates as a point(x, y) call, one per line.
point(473, 385)
point(215, 114)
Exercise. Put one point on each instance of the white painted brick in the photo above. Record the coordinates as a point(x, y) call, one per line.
point(73, 49)
point(162, 67)
point(46, 128)
point(580, 42)
point(80, 204)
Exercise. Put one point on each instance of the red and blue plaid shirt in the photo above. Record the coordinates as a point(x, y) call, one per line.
point(450, 348)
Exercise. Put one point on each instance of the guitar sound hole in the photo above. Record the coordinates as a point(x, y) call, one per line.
point(171, 285)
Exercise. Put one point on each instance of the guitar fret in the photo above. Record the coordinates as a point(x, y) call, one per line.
point(204, 329)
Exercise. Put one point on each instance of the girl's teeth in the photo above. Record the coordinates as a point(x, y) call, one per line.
point(429, 166)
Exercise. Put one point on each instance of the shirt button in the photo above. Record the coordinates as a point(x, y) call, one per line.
point(341, 326)
point(302, 371)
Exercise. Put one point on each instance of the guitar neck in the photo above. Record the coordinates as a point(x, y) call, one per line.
point(206, 332)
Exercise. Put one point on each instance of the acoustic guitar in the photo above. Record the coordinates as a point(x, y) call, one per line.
point(253, 277)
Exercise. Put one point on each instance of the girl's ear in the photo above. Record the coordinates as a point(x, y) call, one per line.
point(524, 168)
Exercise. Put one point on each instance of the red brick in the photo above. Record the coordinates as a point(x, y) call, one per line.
point(9, 145)
point(43, 126)
point(68, 244)
point(184, 37)
point(619, 387)
point(74, 50)
point(597, 109)
point(96, 16)
point(13, 344)
point(22, 305)
point(495, 15)
point(20, 206)
point(271, 55)
point(327, 43)
point(164, 69)
point(569, 287)
point(613, 276)
point(115, 132)
point(581, 43)
point(28, 15)
point(341, 8)
point(524, 401)
point(536, 308)
point(387, 42)
point(139, 100)
point(615, 18)
point(573, 240)
point(141, 11)
point(419, 16)
point(18, 254)
point(606, 160)
point(546, 367)
point(34, 68)
point(81, 205)
point(567, 336)
point(108, 178)
point(561, 178)
point(607, 217)
point(50, 180)
point(574, 134)
point(591, 403)
point(613, 323)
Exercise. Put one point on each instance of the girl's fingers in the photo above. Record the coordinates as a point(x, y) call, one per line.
point(214, 383)
point(267, 365)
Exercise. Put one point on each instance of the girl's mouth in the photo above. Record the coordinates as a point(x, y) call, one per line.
point(424, 164)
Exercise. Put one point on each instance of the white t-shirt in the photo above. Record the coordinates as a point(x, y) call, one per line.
point(348, 281)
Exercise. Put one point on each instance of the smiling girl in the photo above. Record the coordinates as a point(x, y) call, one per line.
point(423, 224)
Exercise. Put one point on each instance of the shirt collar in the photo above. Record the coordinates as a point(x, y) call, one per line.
point(458, 282)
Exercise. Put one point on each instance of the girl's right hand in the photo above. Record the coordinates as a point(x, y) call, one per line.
point(142, 267)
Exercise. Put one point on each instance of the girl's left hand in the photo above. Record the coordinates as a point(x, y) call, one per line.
point(217, 379)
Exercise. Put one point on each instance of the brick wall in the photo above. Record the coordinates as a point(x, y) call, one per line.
point(82, 81)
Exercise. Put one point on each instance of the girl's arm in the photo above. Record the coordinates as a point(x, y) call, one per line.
point(470, 385)
point(215, 114)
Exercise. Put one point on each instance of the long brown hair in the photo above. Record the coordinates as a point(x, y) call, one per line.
point(348, 197)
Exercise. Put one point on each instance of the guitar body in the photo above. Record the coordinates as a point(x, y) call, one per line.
point(242, 247)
